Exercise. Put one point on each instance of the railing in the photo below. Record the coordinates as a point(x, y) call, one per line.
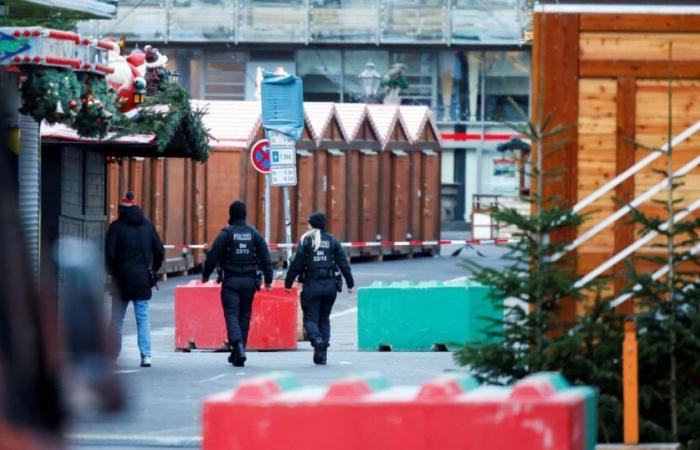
point(609, 186)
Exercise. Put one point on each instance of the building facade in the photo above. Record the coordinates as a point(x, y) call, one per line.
point(463, 58)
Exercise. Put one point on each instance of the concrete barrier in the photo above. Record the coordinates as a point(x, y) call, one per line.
point(446, 413)
point(422, 316)
point(199, 318)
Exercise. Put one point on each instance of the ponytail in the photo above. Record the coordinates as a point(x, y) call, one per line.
point(315, 235)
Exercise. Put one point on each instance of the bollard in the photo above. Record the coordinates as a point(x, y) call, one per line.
point(630, 392)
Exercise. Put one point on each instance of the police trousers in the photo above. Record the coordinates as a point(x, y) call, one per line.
point(317, 299)
point(237, 295)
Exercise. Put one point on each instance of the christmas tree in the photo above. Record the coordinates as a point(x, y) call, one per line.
point(536, 283)
point(668, 312)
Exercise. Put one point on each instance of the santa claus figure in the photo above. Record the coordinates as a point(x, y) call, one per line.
point(156, 71)
point(128, 78)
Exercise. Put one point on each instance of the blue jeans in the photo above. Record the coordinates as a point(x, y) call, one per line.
point(143, 325)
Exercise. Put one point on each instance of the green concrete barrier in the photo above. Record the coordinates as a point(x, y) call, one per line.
point(410, 316)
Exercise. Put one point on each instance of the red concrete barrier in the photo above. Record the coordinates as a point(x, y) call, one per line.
point(199, 318)
point(447, 413)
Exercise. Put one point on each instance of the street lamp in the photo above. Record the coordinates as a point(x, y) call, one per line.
point(369, 79)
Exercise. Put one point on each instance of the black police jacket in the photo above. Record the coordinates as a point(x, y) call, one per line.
point(239, 250)
point(320, 263)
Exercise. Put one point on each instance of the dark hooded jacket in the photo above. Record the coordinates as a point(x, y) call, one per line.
point(132, 246)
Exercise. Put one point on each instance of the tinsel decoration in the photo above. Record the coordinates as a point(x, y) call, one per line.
point(97, 107)
point(45, 91)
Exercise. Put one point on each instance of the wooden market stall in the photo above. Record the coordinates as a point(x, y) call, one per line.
point(374, 172)
point(608, 69)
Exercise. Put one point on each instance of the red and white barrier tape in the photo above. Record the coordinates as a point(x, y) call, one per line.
point(361, 244)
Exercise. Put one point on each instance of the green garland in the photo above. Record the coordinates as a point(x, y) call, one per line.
point(48, 92)
point(87, 104)
point(97, 107)
point(165, 124)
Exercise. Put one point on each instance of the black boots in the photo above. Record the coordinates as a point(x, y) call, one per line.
point(320, 352)
point(237, 357)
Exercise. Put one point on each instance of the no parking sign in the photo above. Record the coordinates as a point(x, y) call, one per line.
point(260, 156)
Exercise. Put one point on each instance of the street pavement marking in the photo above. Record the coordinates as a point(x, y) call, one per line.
point(342, 313)
point(215, 377)
point(135, 441)
point(126, 371)
point(344, 363)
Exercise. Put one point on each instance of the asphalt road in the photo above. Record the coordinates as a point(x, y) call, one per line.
point(164, 400)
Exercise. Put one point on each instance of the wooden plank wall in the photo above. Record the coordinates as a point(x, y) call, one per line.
point(609, 73)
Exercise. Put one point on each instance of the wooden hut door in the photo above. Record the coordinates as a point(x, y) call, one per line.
point(400, 178)
point(369, 195)
point(336, 194)
point(430, 181)
point(175, 220)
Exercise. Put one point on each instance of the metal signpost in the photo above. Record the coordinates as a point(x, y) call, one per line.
point(283, 172)
point(282, 98)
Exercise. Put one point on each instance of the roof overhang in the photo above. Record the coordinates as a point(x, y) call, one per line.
point(84, 9)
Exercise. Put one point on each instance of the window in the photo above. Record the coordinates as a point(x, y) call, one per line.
point(224, 75)
point(507, 76)
point(354, 63)
point(419, 70)
point(321, 72)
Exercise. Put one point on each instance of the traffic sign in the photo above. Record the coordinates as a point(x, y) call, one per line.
point(278, 139)
point(282, 156)
point(283, 176)
point(260, 156)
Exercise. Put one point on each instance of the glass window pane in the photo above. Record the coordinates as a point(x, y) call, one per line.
point(201, 20)
point(487, 21)
point(272, 21)
point(187, 62)
point(224, 76)
point(343, 20)
point(137, 20)
point(355, 62)
point(418, 69)
point(321, 72)
point(414, 20)
point(507, 76)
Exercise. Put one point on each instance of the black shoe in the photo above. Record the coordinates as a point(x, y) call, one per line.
point(324, 355)
point(237, 356)
point(319, 351)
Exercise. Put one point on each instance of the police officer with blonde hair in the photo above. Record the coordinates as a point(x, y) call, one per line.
point(318, 258)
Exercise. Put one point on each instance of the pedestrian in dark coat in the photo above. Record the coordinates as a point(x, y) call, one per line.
point(240, 251)
point(134, 254)
point(318, 259)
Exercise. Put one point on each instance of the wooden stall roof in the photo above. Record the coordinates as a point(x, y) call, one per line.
point(420, 126)
point(62, 132)
point(383, 118)
point(234, 125)
point(350, 117)
point(318, 116)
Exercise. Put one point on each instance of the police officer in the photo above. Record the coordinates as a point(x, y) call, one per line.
point(318, 257)
point(239, 250)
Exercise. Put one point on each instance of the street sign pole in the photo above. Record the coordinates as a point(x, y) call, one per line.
point(268, 190)
point(287, 225)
